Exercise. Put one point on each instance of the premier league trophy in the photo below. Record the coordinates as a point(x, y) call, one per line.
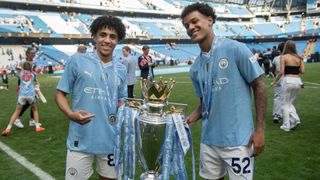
point(150, 125)
point(156, 128)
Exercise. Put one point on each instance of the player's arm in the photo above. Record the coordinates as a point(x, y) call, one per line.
point(195, 115)
point(260, 101)
point(81, 117)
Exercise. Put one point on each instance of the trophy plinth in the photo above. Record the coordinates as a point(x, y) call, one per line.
point(151, 126)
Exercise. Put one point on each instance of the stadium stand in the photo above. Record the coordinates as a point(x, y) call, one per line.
point(155, 23)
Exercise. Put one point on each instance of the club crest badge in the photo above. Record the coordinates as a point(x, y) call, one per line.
point(223, 63)
point(72, 172)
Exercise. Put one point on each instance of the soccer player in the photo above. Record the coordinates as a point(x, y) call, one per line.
point(223, 75)
point(98, 84)
point(26, 95)
point(131, 69)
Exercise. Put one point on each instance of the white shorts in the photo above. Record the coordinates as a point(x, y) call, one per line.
point(79, 165)
point(216, 162)
point(22, 100)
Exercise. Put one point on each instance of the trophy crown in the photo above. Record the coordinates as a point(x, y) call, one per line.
point(156, 92)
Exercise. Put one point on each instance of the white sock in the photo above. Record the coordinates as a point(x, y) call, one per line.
point(9, 126)
point(38, 125)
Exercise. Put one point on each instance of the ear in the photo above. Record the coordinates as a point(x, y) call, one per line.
point(210, 21)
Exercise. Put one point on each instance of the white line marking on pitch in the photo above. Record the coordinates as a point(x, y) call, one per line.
point(24, 162)
point(312, 83)
point(312, 87)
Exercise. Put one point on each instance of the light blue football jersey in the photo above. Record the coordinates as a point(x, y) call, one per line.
point(223, 78)
point(92, 83)
point(27, 79)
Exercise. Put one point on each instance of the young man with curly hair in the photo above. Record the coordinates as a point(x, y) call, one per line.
point(223, 75)
point(98, 84)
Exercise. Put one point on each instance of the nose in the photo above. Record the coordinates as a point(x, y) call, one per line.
point(107, 39)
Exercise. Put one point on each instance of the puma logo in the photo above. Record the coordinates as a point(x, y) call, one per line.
point(90, 74)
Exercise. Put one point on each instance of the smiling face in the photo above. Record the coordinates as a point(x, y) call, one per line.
point(198, 26)
point(106, 40)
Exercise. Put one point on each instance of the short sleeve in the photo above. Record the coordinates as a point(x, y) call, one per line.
point(68, 77)
point(247, 63)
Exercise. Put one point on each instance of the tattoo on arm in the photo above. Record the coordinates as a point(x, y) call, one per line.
point(260, 101)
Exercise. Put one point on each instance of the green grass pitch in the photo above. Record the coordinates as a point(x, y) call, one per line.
point(288, 156)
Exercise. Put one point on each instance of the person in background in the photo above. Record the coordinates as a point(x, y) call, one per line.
point(26, 94)
point(266, 62)
point(224, 75)
point(130, 64)
point(277, 98)
point(81, 49)
point(30, 55)
point(291, 67)
point(5, 79)
point(145, 63)
point(274, 53)
point(260, 57)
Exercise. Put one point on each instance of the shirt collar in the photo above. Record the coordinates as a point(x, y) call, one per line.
point(96, 59)
point(208, 54)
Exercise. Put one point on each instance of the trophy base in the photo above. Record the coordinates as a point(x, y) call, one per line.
point(150, 175)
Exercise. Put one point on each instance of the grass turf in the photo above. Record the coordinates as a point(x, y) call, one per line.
point(293, 155)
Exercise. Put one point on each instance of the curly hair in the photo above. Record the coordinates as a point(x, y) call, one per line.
point(111, 22)
point(203, 8)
